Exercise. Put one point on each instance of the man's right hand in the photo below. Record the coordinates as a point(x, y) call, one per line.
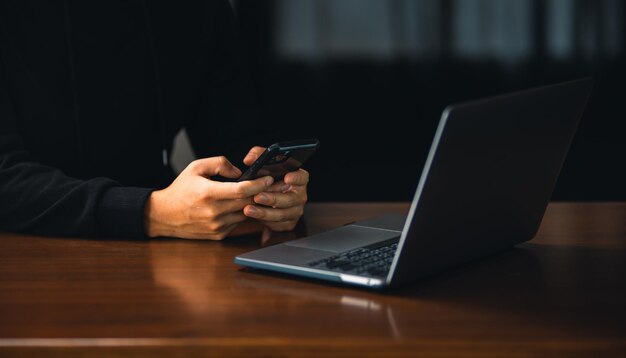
point(196, 207)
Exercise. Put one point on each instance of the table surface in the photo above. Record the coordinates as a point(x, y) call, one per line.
point(564, 292)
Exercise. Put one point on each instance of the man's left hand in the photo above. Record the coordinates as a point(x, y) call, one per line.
point(280, 207)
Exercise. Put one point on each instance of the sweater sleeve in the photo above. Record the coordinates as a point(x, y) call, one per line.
point(39, 199)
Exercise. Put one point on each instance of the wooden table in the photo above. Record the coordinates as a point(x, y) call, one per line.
point(562, 293)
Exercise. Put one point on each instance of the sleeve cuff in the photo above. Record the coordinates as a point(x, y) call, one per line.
point(120, 213)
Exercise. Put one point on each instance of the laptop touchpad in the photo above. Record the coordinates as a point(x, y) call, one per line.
point(344, 238)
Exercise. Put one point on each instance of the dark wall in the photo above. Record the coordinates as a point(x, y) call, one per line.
point(361, 105)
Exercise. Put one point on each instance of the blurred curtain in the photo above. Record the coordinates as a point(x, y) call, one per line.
point(505, 31)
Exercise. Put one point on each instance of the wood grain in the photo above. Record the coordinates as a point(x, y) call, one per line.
point(561, 293)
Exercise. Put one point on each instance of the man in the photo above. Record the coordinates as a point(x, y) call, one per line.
point(91, 96)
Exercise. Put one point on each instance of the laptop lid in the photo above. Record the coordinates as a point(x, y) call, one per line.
point(488, 177)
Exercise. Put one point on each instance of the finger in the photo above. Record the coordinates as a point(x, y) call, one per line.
point(266, 235)
point(280, 200)
point(240, 190)
point(222, 235)
point(279, 187)
point(253, 155)
point(272, 214)
point(298, 177)
point(208, 167)
point(218, 207)
point(229, 229)
point(225, 224)
point(227, 221)
point(207, 233)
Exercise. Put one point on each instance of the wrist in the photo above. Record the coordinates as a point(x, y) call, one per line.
point(152, 223)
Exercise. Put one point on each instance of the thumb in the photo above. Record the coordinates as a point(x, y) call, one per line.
point(208, 167)
point(253, 155)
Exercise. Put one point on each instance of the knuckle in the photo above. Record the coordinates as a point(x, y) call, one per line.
point(210, 191)
point(214, 227)
point(193, 165)
point(200, 193)
point(259, 213)
point(290, 200)
point(221, 160)
point(217, 237)
point(301, 177)
point(271, 199)
point(285, 201)
point(211, 213)
point(242, 203)
point(240, 192)
point(201, 197)
point(221, 235)
point(282, 216)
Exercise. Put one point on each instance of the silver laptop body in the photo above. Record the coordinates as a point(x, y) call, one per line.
point(484, 188)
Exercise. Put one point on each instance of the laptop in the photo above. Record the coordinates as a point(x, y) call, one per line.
point(484, 188)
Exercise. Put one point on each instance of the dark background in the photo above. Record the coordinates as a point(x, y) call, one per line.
point(357, 73)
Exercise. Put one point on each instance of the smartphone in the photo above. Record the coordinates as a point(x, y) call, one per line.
point(281, 158)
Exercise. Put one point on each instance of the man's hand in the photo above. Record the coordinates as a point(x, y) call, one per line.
point(281, 206)
point(196, 207)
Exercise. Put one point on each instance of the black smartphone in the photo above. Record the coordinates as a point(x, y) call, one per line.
point(281, 158)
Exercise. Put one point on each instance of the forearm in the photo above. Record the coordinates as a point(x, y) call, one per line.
point(42, 200)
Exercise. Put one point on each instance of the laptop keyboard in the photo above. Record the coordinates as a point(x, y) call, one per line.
point(372, 260)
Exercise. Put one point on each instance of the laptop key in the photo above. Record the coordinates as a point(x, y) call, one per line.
point(373, 260)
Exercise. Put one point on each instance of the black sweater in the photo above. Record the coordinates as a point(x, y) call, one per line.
point(91, 96)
